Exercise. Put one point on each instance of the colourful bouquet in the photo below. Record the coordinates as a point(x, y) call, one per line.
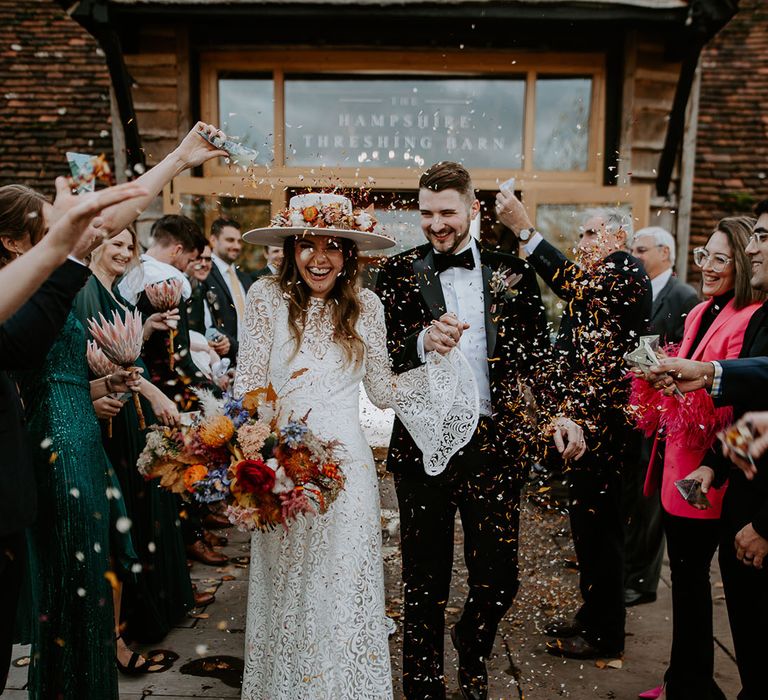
point(266, 473)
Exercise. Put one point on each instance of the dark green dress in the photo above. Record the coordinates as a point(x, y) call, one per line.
point(157, 597)
point(73, 648)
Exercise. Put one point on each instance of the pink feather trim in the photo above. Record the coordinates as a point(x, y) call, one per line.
point(693, 420)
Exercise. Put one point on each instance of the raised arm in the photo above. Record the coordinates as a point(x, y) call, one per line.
point(191, 152)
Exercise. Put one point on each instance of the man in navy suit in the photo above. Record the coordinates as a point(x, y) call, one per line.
point(226, 286)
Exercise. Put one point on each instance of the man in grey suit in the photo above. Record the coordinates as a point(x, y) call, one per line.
point(672, 300)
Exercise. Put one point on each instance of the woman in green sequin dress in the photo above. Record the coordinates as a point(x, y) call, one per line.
point(158, 596)
point(77, 537)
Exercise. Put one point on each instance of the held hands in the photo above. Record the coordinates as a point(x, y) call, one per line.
point(221, 347)
point(165, 409)
point(757, 424)
point(75, 223)
point(568, 437)
point(677, 372)
point(107, 407)
point(511, 212)
point(194, 150)
point(122, 380)
point(161, 321)
point(444, 334)
point(751, 548)
point(705, 476)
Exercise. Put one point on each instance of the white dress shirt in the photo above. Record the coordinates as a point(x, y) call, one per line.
point(150, 271)
point(224, 270)
point(464, 297)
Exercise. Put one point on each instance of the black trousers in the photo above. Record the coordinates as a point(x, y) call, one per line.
point(487, 496)
point(691, 544)
point(597, 527)
point(13, 557)
point(643, 527)
point(746, 595)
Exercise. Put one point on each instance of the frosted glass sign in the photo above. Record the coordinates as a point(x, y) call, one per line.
point(246, 109)
point(562, 123)
point(387, 122)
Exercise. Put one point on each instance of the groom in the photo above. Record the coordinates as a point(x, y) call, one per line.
point(452, 292)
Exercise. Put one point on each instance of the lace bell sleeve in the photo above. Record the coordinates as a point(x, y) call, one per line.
point(437, 402)
point(255, 336)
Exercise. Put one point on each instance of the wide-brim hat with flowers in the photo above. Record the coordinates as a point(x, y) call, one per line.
point(322, 214)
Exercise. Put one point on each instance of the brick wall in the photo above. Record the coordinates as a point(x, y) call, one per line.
point(732, 141)
point(54, 93)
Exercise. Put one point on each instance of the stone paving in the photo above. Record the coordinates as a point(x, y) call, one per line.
point(210, 642)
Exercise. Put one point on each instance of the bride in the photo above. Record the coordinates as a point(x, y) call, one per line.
point(316, 627)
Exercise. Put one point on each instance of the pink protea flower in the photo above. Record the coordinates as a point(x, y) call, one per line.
point(121, 343)
point(120, 340)
point(165, 295)
point(98, 361)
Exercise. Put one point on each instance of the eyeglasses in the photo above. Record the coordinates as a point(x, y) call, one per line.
point(643, 250)
point(205, 260)
point(759, 237)
point(717, 262)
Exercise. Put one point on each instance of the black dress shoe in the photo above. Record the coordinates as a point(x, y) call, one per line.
point(579, 648)
point(564, 628)
point(473, 678)
point(633, 597)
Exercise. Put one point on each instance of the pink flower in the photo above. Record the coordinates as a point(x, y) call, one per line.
point(165, 295)
point(98, 361)
point(293, 503)
point(120, 340)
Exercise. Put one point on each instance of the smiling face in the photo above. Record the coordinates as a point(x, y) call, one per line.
point(227, 244)
point(715, 282)
point(115, 254)
point(758, 254)
point(200, 267)
point(319, 260)
point(445, 218)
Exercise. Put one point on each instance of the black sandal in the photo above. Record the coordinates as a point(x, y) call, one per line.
point(134, 668)
point(161, 656)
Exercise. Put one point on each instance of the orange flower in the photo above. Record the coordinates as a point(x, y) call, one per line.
point(331, 470)
point(217, 431)
point(193, 474)
point(298, 464)
point(310, 214)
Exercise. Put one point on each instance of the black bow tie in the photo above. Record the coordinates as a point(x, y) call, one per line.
point(443, 261)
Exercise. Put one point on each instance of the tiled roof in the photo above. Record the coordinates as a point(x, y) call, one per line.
point(732, 140)
point(54, 93)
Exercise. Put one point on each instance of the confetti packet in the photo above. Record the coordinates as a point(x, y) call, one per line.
point(239, 154)
point(690, 490)
point(87, 170)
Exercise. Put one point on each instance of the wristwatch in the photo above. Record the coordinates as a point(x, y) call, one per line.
point(525, 233)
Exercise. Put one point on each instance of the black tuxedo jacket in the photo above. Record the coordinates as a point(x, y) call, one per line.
point(517, 343)
point(744, 385)
point(670, 309)
point(222, 306)
point(607, 309)
point(25, 339)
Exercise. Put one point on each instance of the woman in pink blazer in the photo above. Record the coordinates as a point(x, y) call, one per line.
point(685, 430)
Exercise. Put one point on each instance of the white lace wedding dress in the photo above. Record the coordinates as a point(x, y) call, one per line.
point(316, 626)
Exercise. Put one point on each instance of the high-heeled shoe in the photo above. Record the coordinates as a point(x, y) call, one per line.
point(659, 692)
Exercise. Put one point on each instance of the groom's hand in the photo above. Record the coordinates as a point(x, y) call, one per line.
point(569, 438)
point(444, 334)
